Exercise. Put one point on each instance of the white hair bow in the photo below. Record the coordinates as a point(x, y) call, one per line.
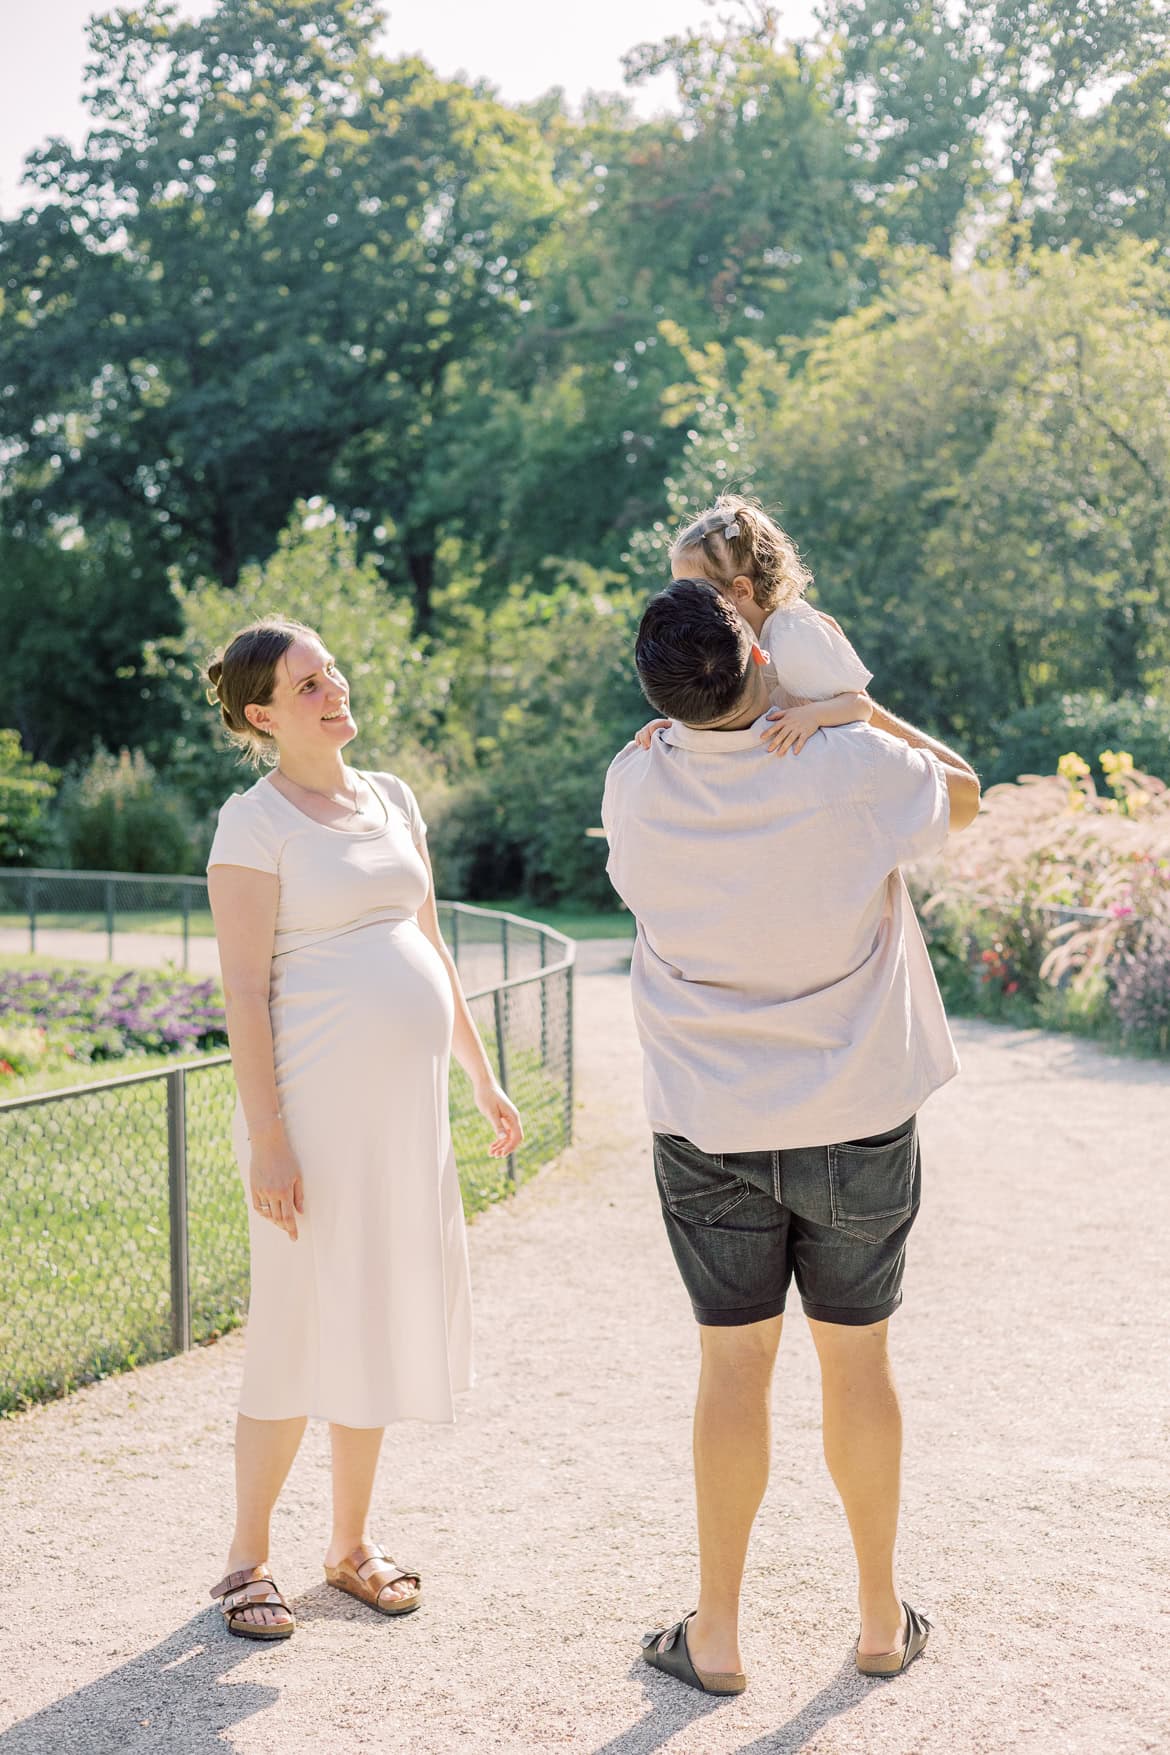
point(730, 530)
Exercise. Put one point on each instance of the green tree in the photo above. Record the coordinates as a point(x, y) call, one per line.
point(969, 106)
point(979, 480)
point(399, 685)
point(250, 284)
point(74, 608)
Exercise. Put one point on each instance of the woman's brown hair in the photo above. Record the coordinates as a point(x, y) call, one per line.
point(244, 674)
point(737, 536)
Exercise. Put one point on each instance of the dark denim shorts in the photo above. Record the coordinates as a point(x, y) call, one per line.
point(742, 1224)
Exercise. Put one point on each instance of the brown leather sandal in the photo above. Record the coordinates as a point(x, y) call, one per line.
point(368, 1573)
point(252, 1588)
point(892, 1663)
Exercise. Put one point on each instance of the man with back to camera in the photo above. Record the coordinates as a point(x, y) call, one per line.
point(792, 1028)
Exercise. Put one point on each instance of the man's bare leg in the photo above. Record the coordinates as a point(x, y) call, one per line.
point(732, 1452)
point(863, 1448)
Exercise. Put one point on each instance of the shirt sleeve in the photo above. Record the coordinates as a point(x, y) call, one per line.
point(399, 793)
point(244, 835)
point(811, 660)
point(909, 798)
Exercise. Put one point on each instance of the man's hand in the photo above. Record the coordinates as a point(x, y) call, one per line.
point(791, 728)
point(643, 738)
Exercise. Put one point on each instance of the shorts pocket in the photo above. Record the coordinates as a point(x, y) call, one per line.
point(693, 1184)
point(872, 1185)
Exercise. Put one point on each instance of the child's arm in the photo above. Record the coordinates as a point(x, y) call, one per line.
point(791, 727)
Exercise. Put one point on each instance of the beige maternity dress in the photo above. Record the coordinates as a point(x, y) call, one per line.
point(366, 1318)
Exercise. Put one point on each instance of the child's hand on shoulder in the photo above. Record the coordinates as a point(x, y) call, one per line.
point(644, 737)
point(791, 727)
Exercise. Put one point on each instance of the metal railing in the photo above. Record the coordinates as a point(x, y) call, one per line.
point(38, 902)
point(123, 1225)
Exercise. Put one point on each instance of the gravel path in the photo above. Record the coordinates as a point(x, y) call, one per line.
point(554, 1522)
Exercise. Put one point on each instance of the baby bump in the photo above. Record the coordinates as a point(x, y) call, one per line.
point(377, 999)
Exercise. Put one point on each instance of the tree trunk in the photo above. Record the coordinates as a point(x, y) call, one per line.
point(421, 566)
point(223, 545)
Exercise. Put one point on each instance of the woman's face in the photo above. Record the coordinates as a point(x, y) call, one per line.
point(309, 709)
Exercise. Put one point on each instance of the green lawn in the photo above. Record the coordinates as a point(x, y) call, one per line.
point(573, 922)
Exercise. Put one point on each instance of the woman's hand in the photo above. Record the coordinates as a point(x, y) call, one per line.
point(496, 1106)
point(644, 737)
point(277, 1190)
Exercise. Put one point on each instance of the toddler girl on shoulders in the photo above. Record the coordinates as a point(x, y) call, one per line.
point(815, 677)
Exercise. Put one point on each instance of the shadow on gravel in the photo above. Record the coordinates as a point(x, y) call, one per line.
point(847, 1690)
point(672, 1707)
point(168, 1698)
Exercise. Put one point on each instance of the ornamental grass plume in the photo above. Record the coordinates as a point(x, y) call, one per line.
point(1092, 873)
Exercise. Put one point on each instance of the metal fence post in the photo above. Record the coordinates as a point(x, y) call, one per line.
point(177, 1188)
point(186, 927)
point(569, 1055)
point(543, 1002)
point(32, 916)
point(110, 918)
point(502, 1058)
point(455, 934)
point(504, 944)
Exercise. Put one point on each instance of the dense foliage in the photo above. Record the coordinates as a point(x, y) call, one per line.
point(305, 327)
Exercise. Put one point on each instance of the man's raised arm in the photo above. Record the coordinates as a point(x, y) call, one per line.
point(962, 780)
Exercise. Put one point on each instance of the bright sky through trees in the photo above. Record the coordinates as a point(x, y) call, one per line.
point(523, 46)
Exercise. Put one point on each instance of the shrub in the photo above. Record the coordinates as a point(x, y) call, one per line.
point(118, 816)
point(26, 792)
point(1057, 901)
point(1033, 740)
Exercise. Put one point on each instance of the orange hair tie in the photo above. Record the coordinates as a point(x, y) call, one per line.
point(759, 656)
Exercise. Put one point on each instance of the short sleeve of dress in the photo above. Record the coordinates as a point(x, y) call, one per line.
point(909, 798)
point(399, 793)
point(245, 835)
point(811, 660)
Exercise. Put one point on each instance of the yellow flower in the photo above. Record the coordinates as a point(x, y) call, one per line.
point(1072, 767)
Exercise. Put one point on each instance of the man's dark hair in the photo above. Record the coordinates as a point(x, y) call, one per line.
point(693, 652)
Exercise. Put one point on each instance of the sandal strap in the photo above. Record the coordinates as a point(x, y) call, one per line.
point(231, 1610)
point(377, 1570)
point(674, 1658)
point(246, 1575)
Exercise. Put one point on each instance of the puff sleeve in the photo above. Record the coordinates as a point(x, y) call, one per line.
point(811, 661)
point(245, 835)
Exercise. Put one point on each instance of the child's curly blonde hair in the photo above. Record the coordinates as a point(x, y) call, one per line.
point(737, 536)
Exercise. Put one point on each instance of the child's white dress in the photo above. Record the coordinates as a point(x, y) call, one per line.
point(808, 660)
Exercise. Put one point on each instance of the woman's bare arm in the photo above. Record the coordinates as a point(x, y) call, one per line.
point(243, 905)
point(490, 1098)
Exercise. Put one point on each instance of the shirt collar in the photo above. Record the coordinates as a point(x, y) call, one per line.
point(692, 737)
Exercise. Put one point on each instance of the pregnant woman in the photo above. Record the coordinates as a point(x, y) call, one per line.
point(343, 1007)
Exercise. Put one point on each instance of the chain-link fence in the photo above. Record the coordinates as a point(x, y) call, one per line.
point(123, 1226)
point(41, 909)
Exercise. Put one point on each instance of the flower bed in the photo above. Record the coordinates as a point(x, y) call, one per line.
point(1054, 907)
point(52, 1016)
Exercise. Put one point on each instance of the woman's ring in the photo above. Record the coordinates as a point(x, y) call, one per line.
point(265, 1206)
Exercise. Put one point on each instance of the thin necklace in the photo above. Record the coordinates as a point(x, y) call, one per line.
point(354, 808)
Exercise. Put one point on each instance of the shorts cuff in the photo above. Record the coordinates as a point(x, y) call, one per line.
point(740, 1317)
point(851, 1315)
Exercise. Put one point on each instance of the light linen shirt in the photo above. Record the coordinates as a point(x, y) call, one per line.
point(781, 986)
